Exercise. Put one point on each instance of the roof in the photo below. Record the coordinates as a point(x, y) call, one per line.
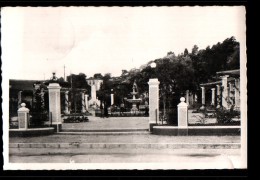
point(22, 84)
point(216, 82)
point(211, 83)
point(235, 72)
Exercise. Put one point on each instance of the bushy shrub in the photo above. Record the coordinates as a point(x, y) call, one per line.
point(75, 119)
point(170, 117)
point(225, 116)
point(38, 118)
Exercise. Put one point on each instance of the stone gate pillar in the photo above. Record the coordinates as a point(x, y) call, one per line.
point(153, 102)
point(182, 113)
point(54, 105)
point(23, 117)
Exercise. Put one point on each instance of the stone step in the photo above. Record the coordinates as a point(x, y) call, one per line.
point(104, 130)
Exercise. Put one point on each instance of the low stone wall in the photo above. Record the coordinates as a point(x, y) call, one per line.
point(197, 130)
point(31, 132)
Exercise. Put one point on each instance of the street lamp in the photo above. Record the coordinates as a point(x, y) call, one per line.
point(153, 66)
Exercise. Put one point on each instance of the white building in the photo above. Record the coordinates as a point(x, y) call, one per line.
point(225, 92)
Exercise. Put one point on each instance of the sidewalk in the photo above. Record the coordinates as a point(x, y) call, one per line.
point(142, 138)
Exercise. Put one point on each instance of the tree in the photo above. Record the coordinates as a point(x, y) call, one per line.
point(39, 111)
point(124, 72)
point(104, 92)
point(170, 53)
point(61, 79)
point(98, 76)
point(78, 81)
point(220, 57)
point(77, 84)
point(178, 73)
point(233, 59)
point(186, 52)
point(195, 50)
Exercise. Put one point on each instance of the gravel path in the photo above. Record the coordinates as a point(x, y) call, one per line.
point(110, 123)
point(125, 122)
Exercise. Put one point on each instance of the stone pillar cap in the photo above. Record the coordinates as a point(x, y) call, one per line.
point(153, 81)
point(182, 103)
point(54, 86)
point(23, 108)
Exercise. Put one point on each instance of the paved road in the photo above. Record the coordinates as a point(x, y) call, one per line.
point(178, 159)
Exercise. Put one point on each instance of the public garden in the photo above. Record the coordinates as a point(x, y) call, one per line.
point(170, 105)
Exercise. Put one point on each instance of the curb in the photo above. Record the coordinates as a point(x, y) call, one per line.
point(103, 133)
point(105, 130)
point(197, 130)
point(31, 132)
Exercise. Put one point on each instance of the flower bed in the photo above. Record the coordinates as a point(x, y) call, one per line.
point(75, 118)
point(123, 114)
point(231, 123)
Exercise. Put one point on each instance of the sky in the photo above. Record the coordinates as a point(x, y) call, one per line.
point(37, 41)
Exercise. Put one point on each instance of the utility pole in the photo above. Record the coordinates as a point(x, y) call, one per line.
point(64, 73)
point(73, 93)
